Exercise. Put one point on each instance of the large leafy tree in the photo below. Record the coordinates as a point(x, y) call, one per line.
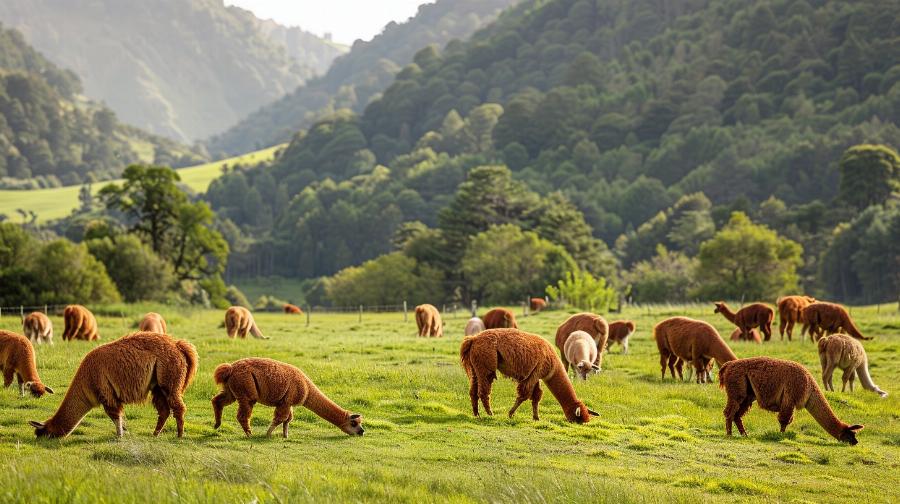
point(869, 174)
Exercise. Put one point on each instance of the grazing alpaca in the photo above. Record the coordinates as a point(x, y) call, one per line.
point(595, 325)
point(619, 332)
point(280, 385)
point(789, 309)
point(292, 309)
point(692, 341)
point(153, 322)
point(581, 350)
point(428, 320)
point(239, 321)
point(17, 359)
point(842, 351)
point(707, 364)
point(821, 318)
point(527, 359)
point(748, 317)
point(753, 335)
point(474, 326)
point(38, 328)
point(537, 304)
point(80, 324)
point(780, 386)
point(499, 318)
point(123, 372)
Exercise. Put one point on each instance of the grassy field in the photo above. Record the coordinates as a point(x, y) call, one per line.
point(59, 202)
point(654, 441)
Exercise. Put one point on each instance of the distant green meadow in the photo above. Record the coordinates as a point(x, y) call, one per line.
point(654, 440)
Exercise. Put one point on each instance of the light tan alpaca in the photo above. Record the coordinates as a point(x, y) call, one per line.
point(239, 322)
point(428, 321)
point(692, 341)
point(280, 385)
point(789, 310)
point(821, 318)
point(581, 350)
point(595, 325)
point(474, 326)
point(843, 352)
point(780, 386)
point(38, 328)
point(17, 359)
point(79, 324)
point(123, 372)
point(527, 359)
point(153, 322)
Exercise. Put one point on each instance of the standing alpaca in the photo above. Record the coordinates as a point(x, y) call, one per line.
point(789, 309)
point(153, 322)
point(79, 324)
point(123, 372)
point(842, 351)
point(595, 325)
point(428, 320)
point(692, 341)
point(280, 385)
point(619, 332)
point(38, 328)
point(527, 359)
point(292, 309)
point(581, 350)
point(537, 304)
point(17, 359)
point(748, 317)
point(239, 321)
point(474, 326)
point(753, 335)
point(780, 386)
point(828, 318)
point(499, 318)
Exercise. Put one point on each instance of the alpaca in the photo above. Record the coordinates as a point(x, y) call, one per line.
point(692, 341)
point(292, 309)
point(748, 317)
point(79, 324)
point(38, 328)
point(17, 359)
point(499, 318)
point(123, 372)
point(474, 326)
point(595, 325)
point(527, 359)
point(821, 318)
point(239, 321)
point(753, 335)
point(537, 304)
point(619, 332)
point(780, 386)
point(707, 365)
point(581, 350)
point(153, 322)
point(789, 309)
point(276, 384)
point(428, 320)
point(844, 352)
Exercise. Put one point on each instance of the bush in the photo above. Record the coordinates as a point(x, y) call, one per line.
point(389, 279)
point(68, 273)
point(581, 290)
point(236, 297)
point(139, 274)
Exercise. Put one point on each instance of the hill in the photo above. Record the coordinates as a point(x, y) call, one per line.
point(180, 68)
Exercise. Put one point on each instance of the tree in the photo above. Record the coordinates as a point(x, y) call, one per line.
point(139, 274)
point(197, 250)
point(559, 221)
point(389, 279)
point(68, 273)
point(667, 277)
point(581, 290)
point(869, 174)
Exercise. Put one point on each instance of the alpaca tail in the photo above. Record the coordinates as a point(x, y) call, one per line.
point(723, 371)
point(254, 330)
point(222, 373)
point(191, 359)
point(464, 350)
point(866, 379)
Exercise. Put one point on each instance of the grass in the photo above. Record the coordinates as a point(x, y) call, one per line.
point(59, 202)
point(654, 441)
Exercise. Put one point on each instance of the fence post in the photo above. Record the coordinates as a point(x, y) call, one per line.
point(444, 309)
point(308, 309)
point(45, 310)
point(21, 311)
point(474, 308)
point(360, 313)
point(404, 310)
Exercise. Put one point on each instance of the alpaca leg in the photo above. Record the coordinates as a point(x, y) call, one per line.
point(473, 393)
point(766, 329)
point(485, 384)
point(162, 409)
point(222, 399)
point(700, 369)
point(21, 384)
point(790, 329)
point(739, 415)
point(826, 376)
point(536, 395)
point(523, 393)
point(781, 327)
point(785, 416)
point(731, 408)
point(245, 409)
point(115, 414)
point(178, 410)
point(852, 378)
point(679, 366)
point(280, 417)
point(663, 359)
point(625, 346)
point(848, 376)
point(8, 376)
point(284, 426)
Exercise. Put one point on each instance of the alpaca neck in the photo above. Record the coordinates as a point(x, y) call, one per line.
point(818, 407)
point(561, 388)
point(720, 351)
point(727, 313)
point(850, 327)
point(73, 408)
point(865, 379)
point(321, 405)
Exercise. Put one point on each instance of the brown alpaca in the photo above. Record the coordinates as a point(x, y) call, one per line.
point(123, 372)
point(292, 309)
point(17, 359)
point(80, 324)
point(789, 309)
point(619, 332)
point(753, 335)
point(428, 320)
point(595, 325)
point(821, 318)
point(692, 341)
point(537, 304)
point(780, 386)
point(527, 359)
point(153, 322)
point(748, 317)
point(38, 328)
point(499, 318)
point(276, 384)
point(239, 321)
point(844, 352)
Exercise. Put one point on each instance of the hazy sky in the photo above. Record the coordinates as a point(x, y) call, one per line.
point(346, 20)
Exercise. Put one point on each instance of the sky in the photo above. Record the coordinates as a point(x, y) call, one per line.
point(346, 20)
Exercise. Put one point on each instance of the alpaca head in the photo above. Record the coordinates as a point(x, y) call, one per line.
point(581, 414)
point(584, 369)
point(38, 389)
point(720, 307)
point(849, 434)
point(41, 430)
point(353, 425)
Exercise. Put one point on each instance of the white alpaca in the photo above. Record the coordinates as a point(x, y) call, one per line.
point(474, 326)
point(844, 352)
point(581, 351)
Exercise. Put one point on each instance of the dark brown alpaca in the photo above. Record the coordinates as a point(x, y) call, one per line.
point(537, 304)
point(595, 325)
point(619, 332)
point(499, 318)
point(80, 324)
point(527, 359)
point(292, 309)
point(749, 317)
point(780, 386)
point(17, 359)
point(691, 341)
point(281, 386)
point(828, 318)
point(428, 321)
point(38, 328)
point(123, 372)
point(789, 309)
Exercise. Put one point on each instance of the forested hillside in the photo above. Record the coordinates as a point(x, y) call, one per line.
point(355, 78)
point(180, 68)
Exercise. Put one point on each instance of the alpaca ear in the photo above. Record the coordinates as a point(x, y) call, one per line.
point(595, 367)
point(856, 427)
point(592, 412)
point(578, 412)
point(355, 416)
point(48, 389)
point(36, 425)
